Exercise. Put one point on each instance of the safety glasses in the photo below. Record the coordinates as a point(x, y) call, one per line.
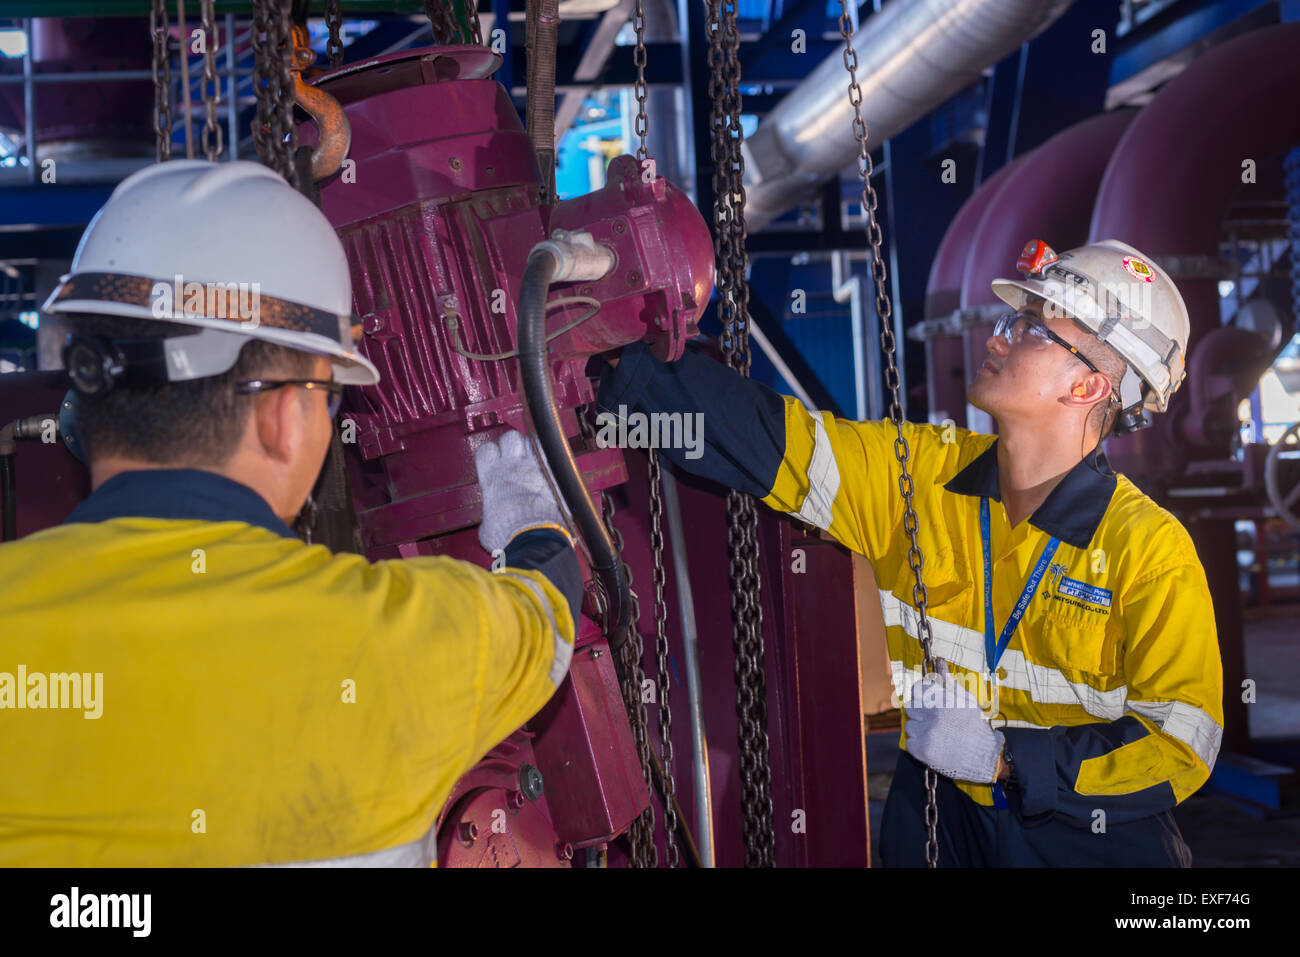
point(335, 389)
point(1018, 327)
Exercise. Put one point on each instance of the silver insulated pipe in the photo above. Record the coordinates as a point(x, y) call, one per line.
point(912, 56)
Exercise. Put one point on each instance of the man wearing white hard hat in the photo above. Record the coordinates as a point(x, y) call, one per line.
point(199, 686)
point(1079, 693)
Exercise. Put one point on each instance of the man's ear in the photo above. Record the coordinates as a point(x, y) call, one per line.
point(274, 416)
point(1093, 387)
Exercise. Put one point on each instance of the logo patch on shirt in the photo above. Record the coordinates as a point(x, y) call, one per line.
point(1071, 588)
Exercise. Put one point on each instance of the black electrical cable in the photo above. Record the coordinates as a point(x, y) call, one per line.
point(8, 489)
point(535, 381)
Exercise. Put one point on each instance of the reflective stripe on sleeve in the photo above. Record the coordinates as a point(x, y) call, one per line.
point(823, 480)
point(1187, 723)
point(563, 649)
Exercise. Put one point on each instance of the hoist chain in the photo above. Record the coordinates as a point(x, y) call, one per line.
point(671, 854)
point(915, 560)
point(274, 133)
point(641, 831)
point(334, 23)
point(447, 28)
point(160, 30)
point(213, 140)
point(444, 27)
point(639, 58)
point(742, 518)
point(475, 28)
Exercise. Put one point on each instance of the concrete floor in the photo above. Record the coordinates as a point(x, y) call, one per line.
point(1219, 832)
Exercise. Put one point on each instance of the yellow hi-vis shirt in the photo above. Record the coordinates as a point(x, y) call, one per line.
point(250, 699)
point(1110, 690)
point(1111, 687)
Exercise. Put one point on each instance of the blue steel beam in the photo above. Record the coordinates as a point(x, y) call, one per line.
point(1174, 30)
point(41, 205)
point(806, 15)
point(1063, 81)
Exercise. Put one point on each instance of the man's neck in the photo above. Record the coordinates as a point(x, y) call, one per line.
point(1031, 462)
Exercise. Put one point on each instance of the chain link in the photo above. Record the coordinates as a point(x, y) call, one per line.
point(672, 855)
point(641, 830)
point(274, 133)
point(915, 559)
point(334, 23)
point(447, 28)
point(213, 140)
point(655, 477)
point(730, 237)
point(160, 30)
point(639, 89)
point(475, 28)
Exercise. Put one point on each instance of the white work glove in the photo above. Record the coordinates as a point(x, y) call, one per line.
point(516, 495)
point(947, 730)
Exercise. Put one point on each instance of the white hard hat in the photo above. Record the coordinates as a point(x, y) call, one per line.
point(195, 242)
point(1124, 298)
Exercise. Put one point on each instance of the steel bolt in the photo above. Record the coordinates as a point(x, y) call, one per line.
point(633, 278)
point(468, 831)
point(619, 228)
point(455, 163)
point(530, 782)
point(516, 799)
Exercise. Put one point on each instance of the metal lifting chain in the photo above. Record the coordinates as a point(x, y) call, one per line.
point(742, 517)
point(213, 141)
point(883, 309)
point(334, 22)
point(671, 853)
point(274, 134)
point(162, 80)
point(641, 831)
point(447, 28)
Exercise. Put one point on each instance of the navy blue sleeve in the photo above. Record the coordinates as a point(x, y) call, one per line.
point(549, 552)
point(742, 421)
point(1046, 763)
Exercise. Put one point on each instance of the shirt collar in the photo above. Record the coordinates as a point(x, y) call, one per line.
point(1071, 512)
point(178, 493)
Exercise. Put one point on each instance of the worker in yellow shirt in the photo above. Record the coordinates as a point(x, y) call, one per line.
point(182, 680)
point(1079, 696)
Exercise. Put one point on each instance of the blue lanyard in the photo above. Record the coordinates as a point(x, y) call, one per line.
point(992, 651)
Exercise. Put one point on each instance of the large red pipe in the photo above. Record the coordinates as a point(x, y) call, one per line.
point(1049, 197)
point(945, 376)
point(1172, 178)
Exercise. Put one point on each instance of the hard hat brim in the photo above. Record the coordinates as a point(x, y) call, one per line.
point(350, 368)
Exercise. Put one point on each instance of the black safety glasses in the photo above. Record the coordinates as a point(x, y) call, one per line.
point(1015, 326)
point(335, 389)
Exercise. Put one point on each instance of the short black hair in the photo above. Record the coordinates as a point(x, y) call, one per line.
point(198, 422)
point(1112, 365)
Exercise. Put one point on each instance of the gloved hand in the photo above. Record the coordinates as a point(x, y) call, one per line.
point(947, 730)
point(516, 494)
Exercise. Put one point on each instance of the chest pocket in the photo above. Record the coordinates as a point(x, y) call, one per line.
point(1074, 632)
point(949, 591)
